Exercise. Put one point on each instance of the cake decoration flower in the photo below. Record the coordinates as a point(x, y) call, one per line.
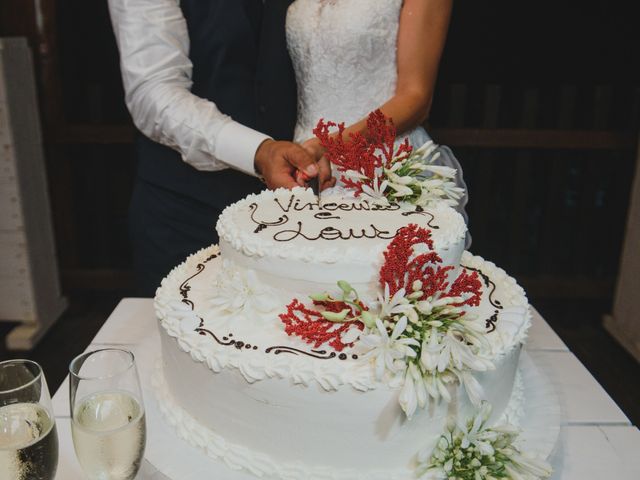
point(372, 165)
point(238, 292)
point(335, 321)
point(420, 333)
point(474, 451)
point(389, 351)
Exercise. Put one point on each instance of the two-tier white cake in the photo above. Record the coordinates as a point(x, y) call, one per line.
point(250, 389)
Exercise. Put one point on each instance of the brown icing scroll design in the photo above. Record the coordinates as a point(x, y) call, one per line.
point(421, 211)
point(321, 354)
point(226, 341)
point(261, 225)
point(229, 341)
point(490, 323)
point(185, 288)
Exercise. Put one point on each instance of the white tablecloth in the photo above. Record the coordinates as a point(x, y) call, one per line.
point(597, 440)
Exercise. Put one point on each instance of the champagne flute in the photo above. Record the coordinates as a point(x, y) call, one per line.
point(28, 437)
point(107, 414)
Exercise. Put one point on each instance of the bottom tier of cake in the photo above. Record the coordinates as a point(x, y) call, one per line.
point(277, 430)
point(248, 394)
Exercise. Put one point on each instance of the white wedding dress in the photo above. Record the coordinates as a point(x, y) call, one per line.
point(344, 57)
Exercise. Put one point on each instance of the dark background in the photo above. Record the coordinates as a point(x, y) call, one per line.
point(539, 100)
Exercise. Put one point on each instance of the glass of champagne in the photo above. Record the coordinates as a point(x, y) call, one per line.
point(28, 437)
point(107, 414)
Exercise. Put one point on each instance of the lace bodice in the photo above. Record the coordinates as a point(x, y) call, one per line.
point(344, 56)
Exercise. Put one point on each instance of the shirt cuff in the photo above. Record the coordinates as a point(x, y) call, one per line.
point(236, 145)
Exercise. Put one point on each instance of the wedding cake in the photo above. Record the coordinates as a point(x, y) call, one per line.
point(239, 382)
point(346, 336)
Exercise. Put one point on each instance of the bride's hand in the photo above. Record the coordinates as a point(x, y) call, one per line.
point(316, 150)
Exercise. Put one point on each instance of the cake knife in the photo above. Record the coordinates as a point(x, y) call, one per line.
point(312, 183)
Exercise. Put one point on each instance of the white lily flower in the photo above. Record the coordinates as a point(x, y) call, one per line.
point(400, 190)
point(354, 175)
point(431, 351)
point(469, 449)
point(386, 349)
point(395, 166)
point(377, 191)
point(394, 305)
point(426, 150)
point(530, 465)
point(239, 291)
point(406, 180)
point(460, 355)
point(441, 170)
point(408, 397)
point(473, 388)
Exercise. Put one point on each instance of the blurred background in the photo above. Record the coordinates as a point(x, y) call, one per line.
point(539, 100)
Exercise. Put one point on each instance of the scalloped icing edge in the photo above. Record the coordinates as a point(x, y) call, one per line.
point(300, 370)
point(238, 457)
point(248, 244)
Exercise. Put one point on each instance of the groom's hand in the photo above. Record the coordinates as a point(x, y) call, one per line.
point(279, 164)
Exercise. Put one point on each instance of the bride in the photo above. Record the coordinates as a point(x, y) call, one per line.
point(355, 56)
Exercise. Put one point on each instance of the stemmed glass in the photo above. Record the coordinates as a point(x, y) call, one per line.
point(107, 414)
point(28, 437)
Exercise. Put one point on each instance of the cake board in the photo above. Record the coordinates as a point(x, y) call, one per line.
point(177, 459)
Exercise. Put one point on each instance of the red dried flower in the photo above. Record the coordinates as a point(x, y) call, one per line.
point(467, 283)
point(363, 154)
point(402, 267)
point(312, 327)
point(399, 269)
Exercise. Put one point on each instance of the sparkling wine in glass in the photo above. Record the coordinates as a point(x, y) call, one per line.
point(28, 437)
point(107, 414)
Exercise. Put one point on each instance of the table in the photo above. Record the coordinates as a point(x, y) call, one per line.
point(597, 439)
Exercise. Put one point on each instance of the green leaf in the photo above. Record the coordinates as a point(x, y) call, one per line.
point(336, 317)
point(368, 318)
point(320, 297)
point(345, 287)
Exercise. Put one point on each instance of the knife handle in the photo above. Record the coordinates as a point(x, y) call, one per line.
point(312, 183)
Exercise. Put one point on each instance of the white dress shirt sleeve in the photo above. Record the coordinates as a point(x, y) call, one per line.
point(156, 70)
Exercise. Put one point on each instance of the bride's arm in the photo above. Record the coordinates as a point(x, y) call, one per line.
point(421, 37)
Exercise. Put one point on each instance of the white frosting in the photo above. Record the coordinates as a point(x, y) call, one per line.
point(239, 456)
point(302, 415)
point(235, 384)
point(265, 329)
point(306, 243)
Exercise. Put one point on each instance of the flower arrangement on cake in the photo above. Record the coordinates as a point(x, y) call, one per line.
point(367, 295)
point(372, 165)
point(421, 334)
point(474, 451)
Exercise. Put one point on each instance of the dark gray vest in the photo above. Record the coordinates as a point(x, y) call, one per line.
point(240, 62)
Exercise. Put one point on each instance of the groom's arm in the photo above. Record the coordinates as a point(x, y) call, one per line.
point(153, 40)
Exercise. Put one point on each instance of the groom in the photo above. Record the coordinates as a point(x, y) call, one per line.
point(211, 88)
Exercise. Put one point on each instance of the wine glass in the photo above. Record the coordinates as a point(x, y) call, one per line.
point(28, 437)
point(107, 414)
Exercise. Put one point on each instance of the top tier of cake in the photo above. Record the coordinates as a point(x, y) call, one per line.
point(296, 241)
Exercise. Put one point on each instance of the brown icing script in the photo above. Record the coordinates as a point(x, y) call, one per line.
point(323, 212)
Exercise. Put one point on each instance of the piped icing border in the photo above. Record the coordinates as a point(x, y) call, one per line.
point(239, 457)
point(245, 240)
point(179, 317)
